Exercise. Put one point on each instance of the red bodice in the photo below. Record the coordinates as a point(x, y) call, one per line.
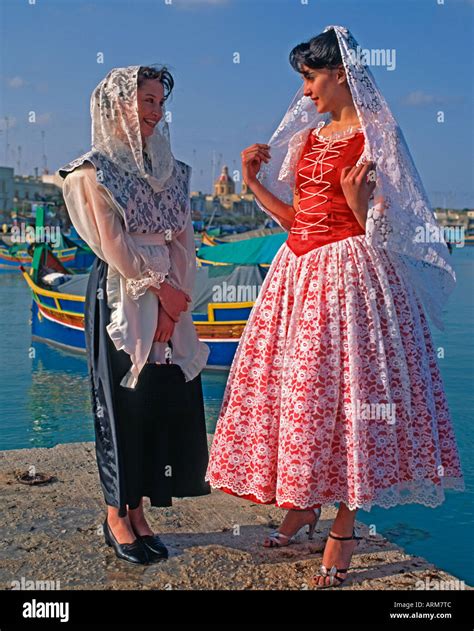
point(323, 215)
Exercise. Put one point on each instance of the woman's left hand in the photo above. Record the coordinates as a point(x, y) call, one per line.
point(172, 300)
point(358, 184)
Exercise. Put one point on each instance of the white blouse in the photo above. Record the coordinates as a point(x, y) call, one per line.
point(136, 262)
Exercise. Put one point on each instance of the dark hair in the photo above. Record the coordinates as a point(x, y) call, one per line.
point(321, 51)
point(162, 74)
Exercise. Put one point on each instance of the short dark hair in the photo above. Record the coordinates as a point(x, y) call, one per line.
point(321, 51)
point(161, 73)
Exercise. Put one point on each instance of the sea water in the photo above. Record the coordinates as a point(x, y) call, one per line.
point(45, 400)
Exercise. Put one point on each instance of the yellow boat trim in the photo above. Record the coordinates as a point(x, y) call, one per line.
point(57, 296)
point(201, 261)
point(212, 306)
point(51, 294)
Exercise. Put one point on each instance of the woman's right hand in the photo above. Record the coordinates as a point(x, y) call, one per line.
point(252, 158)
point(172, 300)
point(164, 327)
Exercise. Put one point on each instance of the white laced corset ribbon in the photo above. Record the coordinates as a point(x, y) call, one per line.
point(320, 155)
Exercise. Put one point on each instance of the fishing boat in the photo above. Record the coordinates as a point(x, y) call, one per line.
point(253, 251)
point(209, 238)
point(84, 255)
point(12, 256)
point(223, 297)
point(76, 256)
point(58, 319)
point(226, 287)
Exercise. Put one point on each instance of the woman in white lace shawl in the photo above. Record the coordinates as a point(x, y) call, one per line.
point(129, 200)
point(334, 394)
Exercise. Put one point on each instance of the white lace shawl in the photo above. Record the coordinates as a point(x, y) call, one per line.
point(400, 218)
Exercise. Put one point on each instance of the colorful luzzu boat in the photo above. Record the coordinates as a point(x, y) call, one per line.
point(228, 280)
point(58, 312)
point(11, 257)
point(58, 319)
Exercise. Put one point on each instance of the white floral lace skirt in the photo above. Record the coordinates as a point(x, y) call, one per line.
point(334, 393)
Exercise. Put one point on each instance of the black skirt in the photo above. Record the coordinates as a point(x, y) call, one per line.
point(150, 441)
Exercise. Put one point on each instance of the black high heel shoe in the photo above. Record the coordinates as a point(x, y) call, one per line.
point(134, 552)
point(156, 549)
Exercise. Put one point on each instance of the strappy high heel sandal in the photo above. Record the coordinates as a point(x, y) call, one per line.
point(334, 571)
point(278, 539)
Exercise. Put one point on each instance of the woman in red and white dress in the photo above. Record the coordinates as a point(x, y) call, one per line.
point(334, 394)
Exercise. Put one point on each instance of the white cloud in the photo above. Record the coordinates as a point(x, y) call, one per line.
point(419, 98)
point(16, 82)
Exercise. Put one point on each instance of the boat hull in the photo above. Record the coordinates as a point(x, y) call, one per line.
point(58, 319)
point(45, 328)
point(12, 263)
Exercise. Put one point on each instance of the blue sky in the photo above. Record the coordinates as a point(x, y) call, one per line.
point(49, 66)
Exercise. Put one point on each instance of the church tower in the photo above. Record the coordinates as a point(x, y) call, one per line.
point(224, 185)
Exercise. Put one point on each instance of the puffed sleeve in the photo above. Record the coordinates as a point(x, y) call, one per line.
point(93, 214)
point(182, 251)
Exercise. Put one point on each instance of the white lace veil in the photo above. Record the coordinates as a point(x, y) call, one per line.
point(116, 129)
point(400, 218)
